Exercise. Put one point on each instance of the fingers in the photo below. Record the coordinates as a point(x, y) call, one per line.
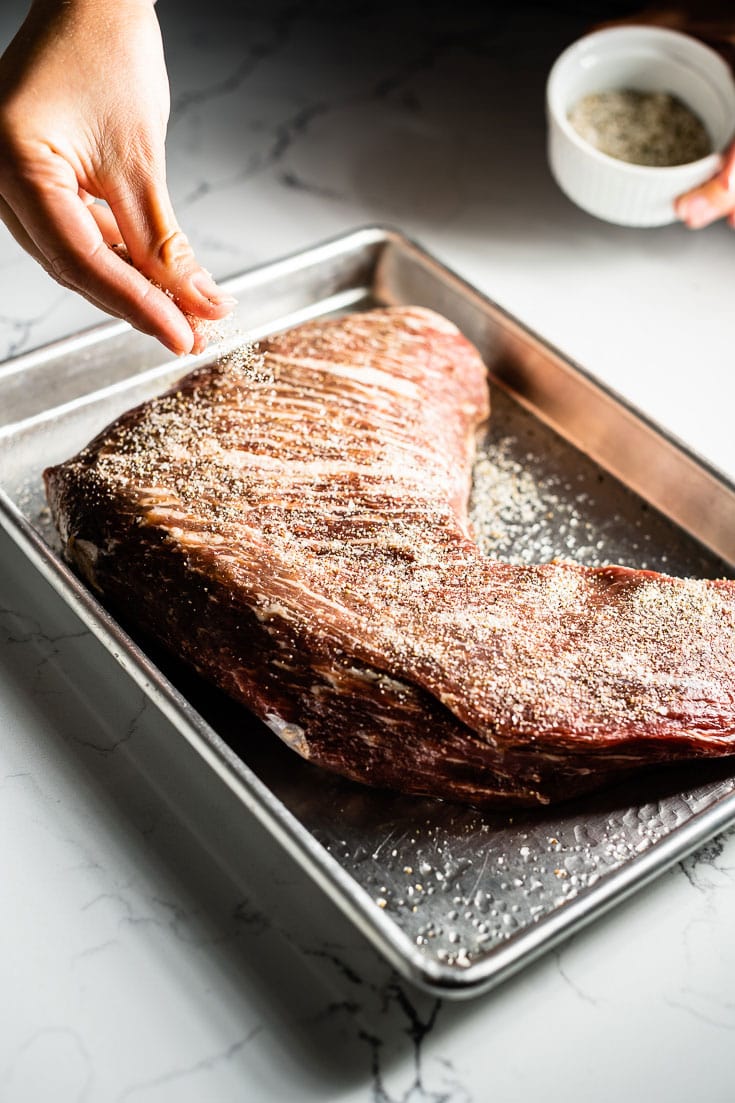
point(15, 226)
point(16, 229)
point(106, 221)
point(161, 251)
point(715, 199)
point(113, 235)
point(102, 215)
point(66, 236)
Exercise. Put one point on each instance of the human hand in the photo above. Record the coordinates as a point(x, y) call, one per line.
point(84, 103)
point(712, 200)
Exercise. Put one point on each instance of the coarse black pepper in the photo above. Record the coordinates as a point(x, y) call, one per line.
point(643, 128)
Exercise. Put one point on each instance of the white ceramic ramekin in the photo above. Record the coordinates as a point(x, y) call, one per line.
point(647, 59)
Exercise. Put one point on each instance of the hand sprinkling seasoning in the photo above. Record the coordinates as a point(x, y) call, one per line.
point(643, 128)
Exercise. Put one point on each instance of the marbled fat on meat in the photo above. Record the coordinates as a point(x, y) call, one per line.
point(294, 525)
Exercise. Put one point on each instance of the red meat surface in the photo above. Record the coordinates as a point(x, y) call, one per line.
point(294, 526)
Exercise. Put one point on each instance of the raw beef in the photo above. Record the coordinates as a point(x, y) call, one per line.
point(294, 525)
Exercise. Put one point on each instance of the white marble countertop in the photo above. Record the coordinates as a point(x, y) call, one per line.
point(149, 950)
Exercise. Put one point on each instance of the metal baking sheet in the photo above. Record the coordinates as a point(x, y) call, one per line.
point(456, 899)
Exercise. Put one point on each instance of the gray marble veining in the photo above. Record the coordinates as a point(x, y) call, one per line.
point(149, 960)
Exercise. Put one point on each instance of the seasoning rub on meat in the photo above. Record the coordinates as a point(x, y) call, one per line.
point(294, 526)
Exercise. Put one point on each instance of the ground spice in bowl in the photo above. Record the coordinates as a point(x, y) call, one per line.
point(643, 128)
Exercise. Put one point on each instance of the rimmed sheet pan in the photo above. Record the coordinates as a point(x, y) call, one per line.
point(457, 900)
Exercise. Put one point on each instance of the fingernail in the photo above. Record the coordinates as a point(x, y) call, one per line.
point(176, 349)
point(205, 286)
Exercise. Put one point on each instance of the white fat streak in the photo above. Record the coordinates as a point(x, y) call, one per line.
point(370, 377)
point(416, 317)
point(89, 550)
point(266, 610)
point(293, 431)
point(298, 469)
point(291, 734)
point(371, 677)
point(165, 516)
point(197, 539)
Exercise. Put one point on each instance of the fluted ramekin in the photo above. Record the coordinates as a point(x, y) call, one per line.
point(647, 59)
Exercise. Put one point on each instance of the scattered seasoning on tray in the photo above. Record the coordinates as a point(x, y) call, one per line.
point(643, 128)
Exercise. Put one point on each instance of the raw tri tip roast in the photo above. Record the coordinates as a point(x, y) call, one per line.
point(294, 525)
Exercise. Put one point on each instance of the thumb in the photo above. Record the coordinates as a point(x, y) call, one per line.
point(710, 201)
point(160, 250)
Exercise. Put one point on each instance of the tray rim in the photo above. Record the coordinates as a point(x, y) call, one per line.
point(438, 978)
